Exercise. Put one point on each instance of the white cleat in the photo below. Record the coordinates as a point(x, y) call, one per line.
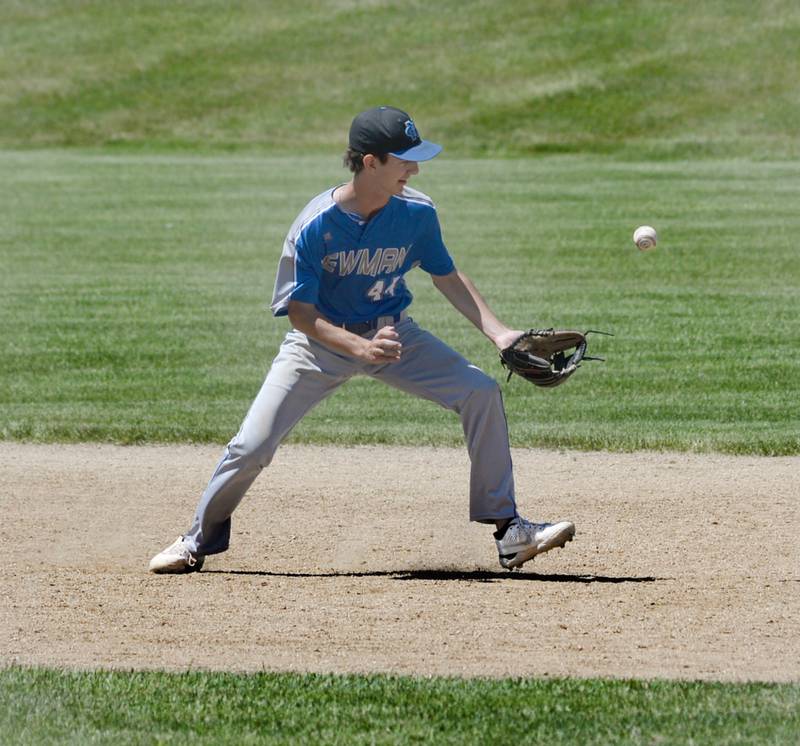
point(176, 558)
point(523, 540)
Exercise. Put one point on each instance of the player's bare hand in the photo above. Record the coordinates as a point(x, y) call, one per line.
point(384, 347)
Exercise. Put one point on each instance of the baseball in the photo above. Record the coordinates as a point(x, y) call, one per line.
point(645, 237)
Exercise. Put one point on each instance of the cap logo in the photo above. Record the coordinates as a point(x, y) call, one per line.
point(411, 130)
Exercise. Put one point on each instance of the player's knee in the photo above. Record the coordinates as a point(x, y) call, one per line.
point(251, 453)
point(483, 393)
point(484, 385)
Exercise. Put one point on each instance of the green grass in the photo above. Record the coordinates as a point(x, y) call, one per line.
point(46, 706)
point(645, 78)
point(135, 283)
point(135, 292)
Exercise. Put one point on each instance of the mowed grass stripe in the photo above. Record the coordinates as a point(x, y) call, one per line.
point(641, 77)
point(50, 706)
point(135, 292)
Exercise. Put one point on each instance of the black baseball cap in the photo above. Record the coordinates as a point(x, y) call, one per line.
point(385, 130)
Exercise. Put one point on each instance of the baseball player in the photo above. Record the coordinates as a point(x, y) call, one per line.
point(341, 281)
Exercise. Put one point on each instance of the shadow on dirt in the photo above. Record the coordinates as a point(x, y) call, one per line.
point(474, 576)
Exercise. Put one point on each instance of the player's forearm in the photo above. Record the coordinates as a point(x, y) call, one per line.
point(305, 318)
point(466, 299)
point(383, 347)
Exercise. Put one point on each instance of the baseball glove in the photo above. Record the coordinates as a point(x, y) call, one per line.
point(546, 357)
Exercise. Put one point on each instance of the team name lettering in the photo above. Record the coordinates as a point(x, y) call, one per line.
point(370, 262)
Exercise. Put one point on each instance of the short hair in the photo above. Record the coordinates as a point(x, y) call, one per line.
point(354, 159)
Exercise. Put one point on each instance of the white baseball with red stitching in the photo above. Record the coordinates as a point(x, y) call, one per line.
point(645, 237)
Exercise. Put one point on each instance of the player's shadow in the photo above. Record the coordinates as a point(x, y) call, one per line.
point(471, 576)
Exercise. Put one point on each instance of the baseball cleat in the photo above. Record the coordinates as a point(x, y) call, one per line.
point(176, 558)
point(523, 540)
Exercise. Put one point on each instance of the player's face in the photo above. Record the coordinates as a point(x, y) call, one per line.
point(395, 173)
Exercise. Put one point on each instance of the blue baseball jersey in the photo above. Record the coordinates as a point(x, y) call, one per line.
point(353, 270)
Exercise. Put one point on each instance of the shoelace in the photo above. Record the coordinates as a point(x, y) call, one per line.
point(529, 528)
point(182, 550)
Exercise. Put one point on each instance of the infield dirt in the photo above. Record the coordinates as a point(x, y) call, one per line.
point(363, 560)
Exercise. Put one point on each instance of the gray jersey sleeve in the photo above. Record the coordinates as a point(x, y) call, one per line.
point(286, 277)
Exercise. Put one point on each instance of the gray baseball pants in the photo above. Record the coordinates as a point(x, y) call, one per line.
point(305, 372)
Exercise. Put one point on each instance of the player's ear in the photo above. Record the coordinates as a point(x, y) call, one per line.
point(370, 162)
